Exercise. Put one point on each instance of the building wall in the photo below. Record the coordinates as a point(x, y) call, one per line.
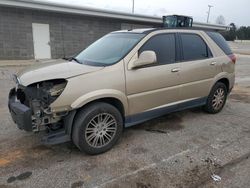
point(69, 34)
point(15, 34)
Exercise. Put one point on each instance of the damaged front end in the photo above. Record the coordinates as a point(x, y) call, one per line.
point(30, 106)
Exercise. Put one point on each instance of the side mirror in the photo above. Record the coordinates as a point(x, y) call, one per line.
point(145, 58)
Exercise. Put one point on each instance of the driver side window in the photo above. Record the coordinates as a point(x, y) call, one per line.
point(164, 47)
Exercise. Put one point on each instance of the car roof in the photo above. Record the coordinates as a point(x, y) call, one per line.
point(149, 30)
point(141, 30)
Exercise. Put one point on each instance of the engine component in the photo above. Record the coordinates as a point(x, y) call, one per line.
point(38, 97)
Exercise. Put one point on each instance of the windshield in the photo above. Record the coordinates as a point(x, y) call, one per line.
point(109, 49)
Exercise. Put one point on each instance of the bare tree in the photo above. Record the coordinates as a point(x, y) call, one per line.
point(220, 20)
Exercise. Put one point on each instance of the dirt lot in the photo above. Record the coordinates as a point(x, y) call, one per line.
point(178, 150)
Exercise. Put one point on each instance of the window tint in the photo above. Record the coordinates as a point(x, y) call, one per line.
point(164, 47)
point(194, 47)
point(220, 41)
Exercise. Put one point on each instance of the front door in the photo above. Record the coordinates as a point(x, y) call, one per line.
point(41, 41)
point(156, 85)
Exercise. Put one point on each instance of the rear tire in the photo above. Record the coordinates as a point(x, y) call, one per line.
point(216, 99)
point(97, 128)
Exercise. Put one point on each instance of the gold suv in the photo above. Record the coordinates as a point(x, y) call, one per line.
point(122, 79)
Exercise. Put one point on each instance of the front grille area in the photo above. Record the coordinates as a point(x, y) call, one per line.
point(20, 95)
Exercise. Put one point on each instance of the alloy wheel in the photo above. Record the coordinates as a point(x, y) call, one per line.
point(101, 130)
point(218, 98)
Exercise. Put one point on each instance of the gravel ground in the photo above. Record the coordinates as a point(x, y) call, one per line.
point(177, 150)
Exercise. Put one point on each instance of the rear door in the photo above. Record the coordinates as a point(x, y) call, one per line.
point(153, 86)
point(198, 67)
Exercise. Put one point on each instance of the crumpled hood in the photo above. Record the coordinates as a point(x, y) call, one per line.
point(53, 70)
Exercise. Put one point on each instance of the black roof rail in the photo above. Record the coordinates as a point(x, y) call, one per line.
point(178, 28)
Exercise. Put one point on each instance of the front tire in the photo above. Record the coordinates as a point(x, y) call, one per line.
point(97, 128)
point(216, 99)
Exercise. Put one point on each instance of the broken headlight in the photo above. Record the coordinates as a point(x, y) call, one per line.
point(46, 91)
point(57, 89)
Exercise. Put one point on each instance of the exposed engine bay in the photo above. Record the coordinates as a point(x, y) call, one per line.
point(38, 97)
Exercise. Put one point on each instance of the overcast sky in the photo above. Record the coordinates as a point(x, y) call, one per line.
point(237, 11)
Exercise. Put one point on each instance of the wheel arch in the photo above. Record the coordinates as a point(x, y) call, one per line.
point(224, 78)
point(224, 81)
point(113, 97)
point(118, 102)
point(209, 106)
point(109, 100)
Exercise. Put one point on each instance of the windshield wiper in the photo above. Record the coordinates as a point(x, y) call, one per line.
point(76, 60)
point(72, 58)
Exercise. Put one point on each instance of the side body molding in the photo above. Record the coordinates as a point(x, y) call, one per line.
point(99, 94)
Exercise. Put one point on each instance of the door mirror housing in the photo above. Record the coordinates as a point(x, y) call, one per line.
point(145, 58)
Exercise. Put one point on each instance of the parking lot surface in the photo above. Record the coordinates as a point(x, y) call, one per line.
point(181, 149)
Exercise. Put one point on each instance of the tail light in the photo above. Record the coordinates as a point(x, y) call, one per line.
point(232, 57)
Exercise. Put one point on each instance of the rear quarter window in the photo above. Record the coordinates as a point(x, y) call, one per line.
point(220, 41)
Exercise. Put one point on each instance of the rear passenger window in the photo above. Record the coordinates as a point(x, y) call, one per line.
point(194, 47)
point(164, 47)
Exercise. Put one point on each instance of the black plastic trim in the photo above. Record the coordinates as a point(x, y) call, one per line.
point(56, 137)
point(20, 113)
point(148, 115)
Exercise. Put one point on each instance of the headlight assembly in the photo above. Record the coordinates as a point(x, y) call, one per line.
point(46, 91)
point(56, 90)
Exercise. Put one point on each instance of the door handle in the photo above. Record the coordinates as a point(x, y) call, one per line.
point(213, 63)
point(175, 70)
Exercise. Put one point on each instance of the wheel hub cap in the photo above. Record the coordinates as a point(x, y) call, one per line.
point(100, 130)
point(218, 99)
